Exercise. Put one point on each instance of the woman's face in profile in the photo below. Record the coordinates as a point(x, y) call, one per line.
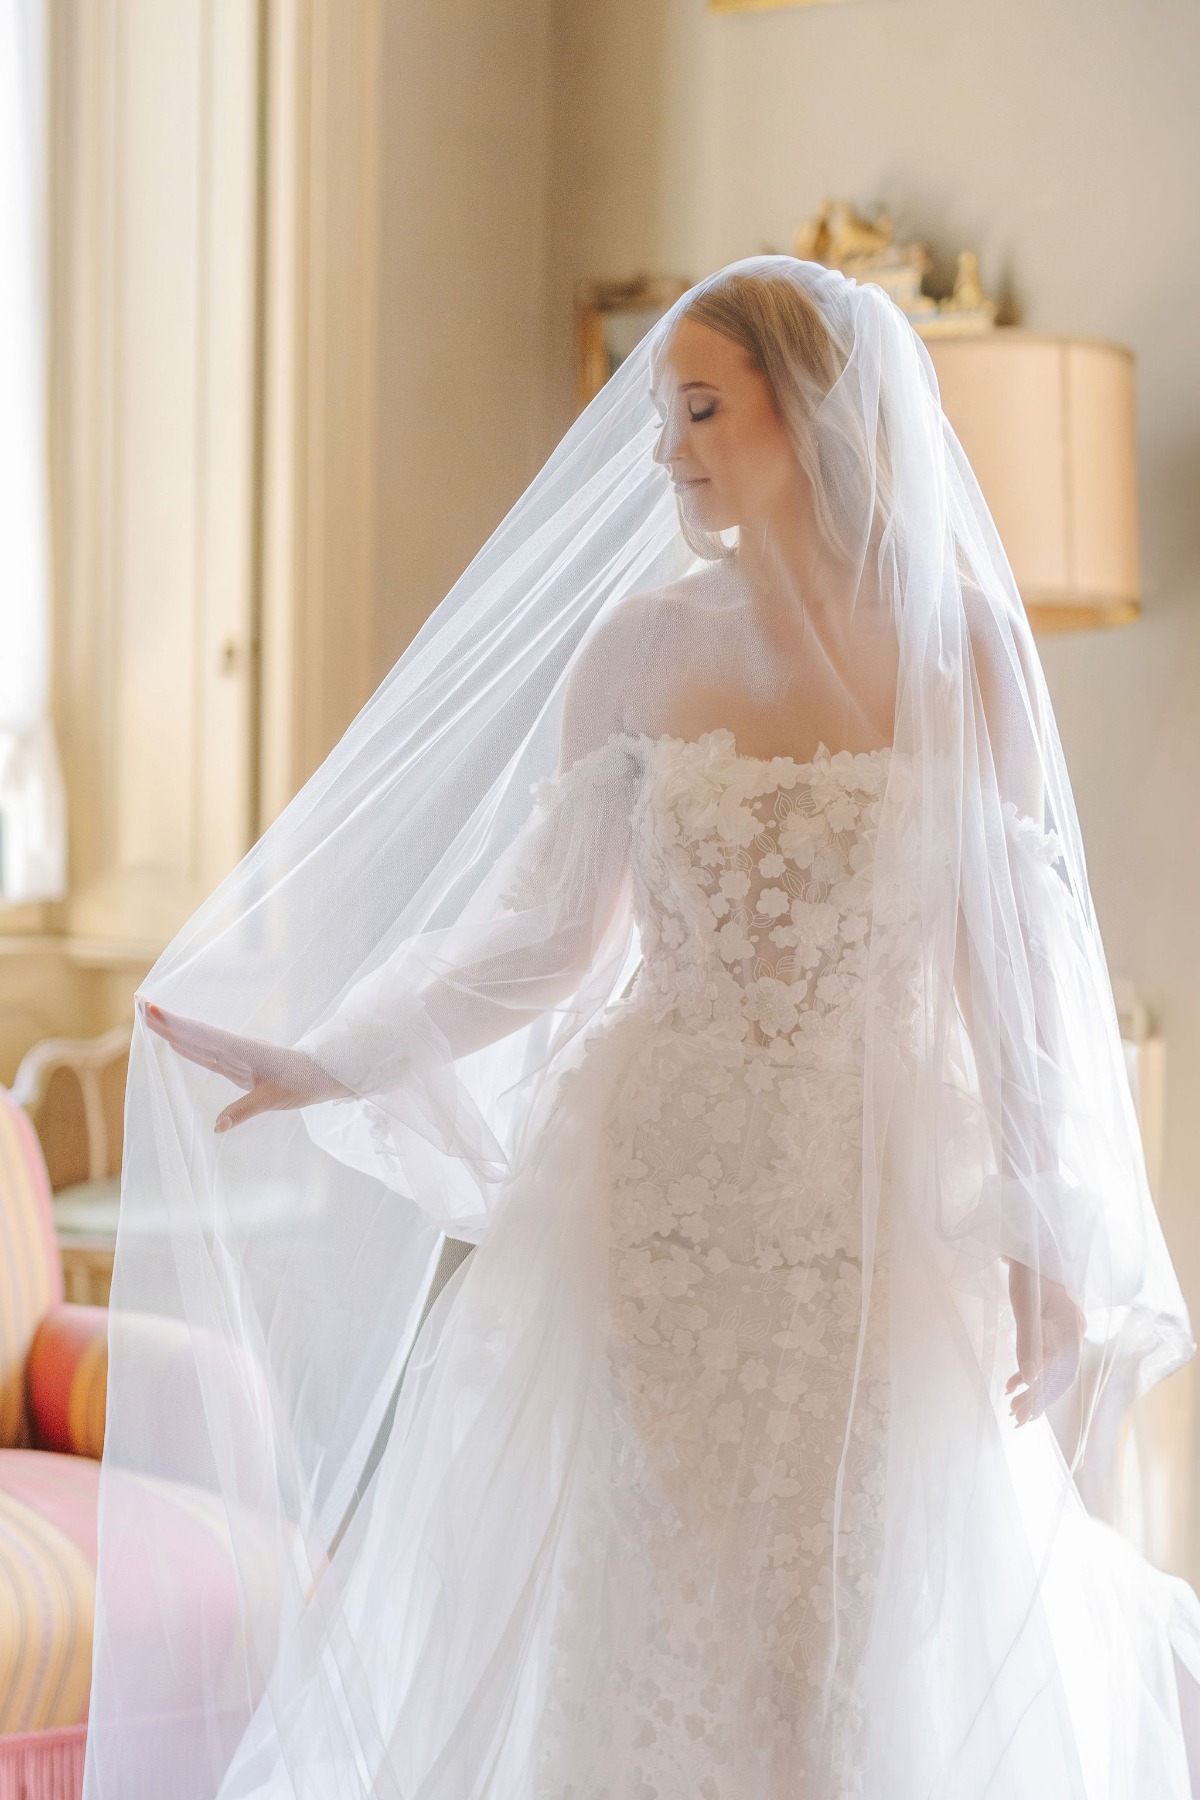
point(723, 443)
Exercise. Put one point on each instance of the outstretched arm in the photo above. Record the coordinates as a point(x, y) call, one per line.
point(541, 920)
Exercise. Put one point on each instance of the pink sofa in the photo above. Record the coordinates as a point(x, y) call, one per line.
point(53, 1378)
point(53, 1369)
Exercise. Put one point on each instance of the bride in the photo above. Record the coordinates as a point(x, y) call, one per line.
point(696, 921)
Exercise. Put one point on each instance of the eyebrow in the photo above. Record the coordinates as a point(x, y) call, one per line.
point(686, 386)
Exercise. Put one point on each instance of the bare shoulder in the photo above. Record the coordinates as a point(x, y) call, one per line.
point(700, 587)
point(644, 618)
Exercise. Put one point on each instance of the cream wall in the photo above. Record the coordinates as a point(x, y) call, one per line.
point(1063, 143)
point(299, 372)
point(461, 421)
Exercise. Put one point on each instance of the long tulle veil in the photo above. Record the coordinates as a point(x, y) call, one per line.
point(269, 1283)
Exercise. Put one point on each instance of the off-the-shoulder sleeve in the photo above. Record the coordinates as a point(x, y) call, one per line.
point(577, 816)
point(540, 944)
point(1030, 840)
point(1058, 1168)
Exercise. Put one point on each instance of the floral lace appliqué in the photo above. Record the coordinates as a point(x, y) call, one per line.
point(734, 1145)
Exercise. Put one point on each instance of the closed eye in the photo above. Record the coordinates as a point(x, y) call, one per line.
point(705, 413)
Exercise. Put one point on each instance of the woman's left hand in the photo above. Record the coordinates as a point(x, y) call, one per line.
point(275, 1078)
point(1049, 1342)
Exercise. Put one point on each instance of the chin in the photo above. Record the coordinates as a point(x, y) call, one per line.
point(706, 518)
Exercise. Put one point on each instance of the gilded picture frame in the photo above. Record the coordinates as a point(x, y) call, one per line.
point(736, 6)
point(611, 317)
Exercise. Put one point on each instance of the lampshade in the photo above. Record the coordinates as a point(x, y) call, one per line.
point(1048, 425)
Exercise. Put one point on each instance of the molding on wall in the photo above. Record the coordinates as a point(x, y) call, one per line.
point(215, 227)
point(319, 374)
point(154, 202)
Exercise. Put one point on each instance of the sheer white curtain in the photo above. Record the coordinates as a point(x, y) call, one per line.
point(32, 822)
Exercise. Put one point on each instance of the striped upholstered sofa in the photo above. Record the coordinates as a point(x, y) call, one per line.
point(53, 1369)
point(53, 1378)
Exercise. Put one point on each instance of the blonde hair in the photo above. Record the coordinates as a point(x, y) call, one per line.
point(774, 320)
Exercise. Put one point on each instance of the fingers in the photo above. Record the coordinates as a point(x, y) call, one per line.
point(193, 1037)
point(1023, 1387)
point(235, 1114)
point(1049, 1332)
point(274, 1077)
point(1026, 1388)
point(1040, 1381)
point(1061, 1346)
point(1028, 1399)
point(1030, 1403)
point(265, 1096)
point(224, 1052)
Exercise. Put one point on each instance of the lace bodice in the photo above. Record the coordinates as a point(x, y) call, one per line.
point(752, 890)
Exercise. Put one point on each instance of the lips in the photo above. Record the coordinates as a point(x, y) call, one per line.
point(696, 481)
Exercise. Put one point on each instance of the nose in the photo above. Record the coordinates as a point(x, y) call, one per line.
point(669, 440)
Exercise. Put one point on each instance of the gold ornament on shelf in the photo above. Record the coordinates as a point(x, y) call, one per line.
point(841, 238)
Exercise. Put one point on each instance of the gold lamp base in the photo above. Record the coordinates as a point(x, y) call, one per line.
point(1051, 616)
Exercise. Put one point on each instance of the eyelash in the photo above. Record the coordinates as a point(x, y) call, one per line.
point(694, 418)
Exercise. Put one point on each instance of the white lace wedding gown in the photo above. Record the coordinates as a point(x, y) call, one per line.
point(732, 1145)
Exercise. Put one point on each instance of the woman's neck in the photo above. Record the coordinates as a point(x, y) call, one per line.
point(790, 571)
